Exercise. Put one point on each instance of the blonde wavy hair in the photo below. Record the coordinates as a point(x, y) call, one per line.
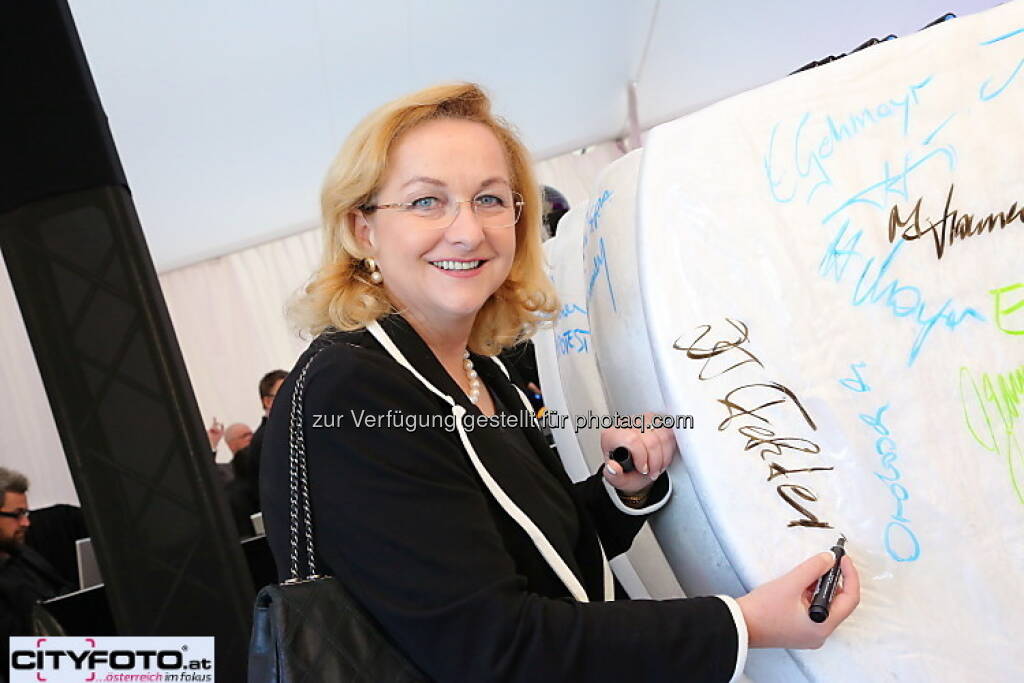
point(340, 294)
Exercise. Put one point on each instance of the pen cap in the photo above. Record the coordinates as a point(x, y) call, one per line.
point(622, 456)
point(818, 613)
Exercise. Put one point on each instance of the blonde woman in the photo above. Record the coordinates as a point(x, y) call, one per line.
point(467, 541)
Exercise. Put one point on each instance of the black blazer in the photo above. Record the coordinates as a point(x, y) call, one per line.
point(405, 522)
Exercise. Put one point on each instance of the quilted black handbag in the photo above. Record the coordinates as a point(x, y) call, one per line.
point(309, 628)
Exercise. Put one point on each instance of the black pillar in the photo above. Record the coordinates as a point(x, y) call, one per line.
point(106, 350)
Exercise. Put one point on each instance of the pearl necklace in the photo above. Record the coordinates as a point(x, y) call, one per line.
point(474, 379)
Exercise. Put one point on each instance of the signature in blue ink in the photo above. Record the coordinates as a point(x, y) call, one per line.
point(577, 340)
point(857, 383)
point(569, 309)
point(858, 121)
point(910, 549)
point(903, 301)
point(892, 184)
point(1011, 34)
point(885, 446)
point(931, 136)
point(594, 215)
point(808, 160)
point(812, 163)
point(597, 266)
point(983, 92)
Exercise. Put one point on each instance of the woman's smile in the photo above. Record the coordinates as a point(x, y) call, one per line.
point(460, 268)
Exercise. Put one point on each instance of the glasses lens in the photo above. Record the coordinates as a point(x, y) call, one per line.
point(429, 209)
point(498, 209)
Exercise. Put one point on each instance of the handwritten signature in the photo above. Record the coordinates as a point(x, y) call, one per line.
point(899, 540)
point(750, 405)
point(952, 226)
point(992, 407)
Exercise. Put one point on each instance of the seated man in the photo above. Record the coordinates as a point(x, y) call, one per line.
point(25, 576)
point(53, 534)
point(20, 564)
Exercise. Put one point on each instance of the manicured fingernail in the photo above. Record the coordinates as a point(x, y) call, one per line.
point(645, 469)
point(611, 469)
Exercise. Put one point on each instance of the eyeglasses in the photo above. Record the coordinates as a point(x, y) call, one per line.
point(17, 514)
point(495, 210)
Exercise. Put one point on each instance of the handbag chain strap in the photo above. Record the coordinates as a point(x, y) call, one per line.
point(298, 481)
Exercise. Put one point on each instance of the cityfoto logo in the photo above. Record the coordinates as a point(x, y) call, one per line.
point(92, 660)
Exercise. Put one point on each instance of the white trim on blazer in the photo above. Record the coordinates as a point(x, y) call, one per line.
point(543, 545)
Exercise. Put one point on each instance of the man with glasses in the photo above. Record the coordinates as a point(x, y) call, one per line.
point(14, 521)
point(25, 576)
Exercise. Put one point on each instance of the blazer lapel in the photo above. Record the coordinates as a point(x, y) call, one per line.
point(488, 443)
point(506, 391)
point(589, 551)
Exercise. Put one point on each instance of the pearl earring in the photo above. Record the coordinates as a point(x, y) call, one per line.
point(375, 275)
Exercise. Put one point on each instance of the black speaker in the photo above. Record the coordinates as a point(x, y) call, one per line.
point(107, 353)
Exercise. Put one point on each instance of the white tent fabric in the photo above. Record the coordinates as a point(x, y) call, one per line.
point(226, 113)
point(229, 316)
point(28, 435)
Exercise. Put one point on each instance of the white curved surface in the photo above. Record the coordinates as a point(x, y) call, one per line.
point(839, 381)
point(761, 211)
point(566, 359)
point(619, 337)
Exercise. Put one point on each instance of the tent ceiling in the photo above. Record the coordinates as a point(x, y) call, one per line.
point(227, 112)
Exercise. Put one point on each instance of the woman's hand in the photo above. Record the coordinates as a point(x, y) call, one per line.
point(776, 612)
point(652, 451)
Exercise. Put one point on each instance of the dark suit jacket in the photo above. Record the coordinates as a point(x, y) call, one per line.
point(244, 489)
point(405, 522)
point(252, 469)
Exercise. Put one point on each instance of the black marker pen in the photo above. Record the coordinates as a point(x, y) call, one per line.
point(622, 456)
point(827, 585)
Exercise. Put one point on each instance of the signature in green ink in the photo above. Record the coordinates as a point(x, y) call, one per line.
point(992, 407)
point(1009, 301)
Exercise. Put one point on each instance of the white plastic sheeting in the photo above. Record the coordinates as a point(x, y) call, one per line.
point(762, 274)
